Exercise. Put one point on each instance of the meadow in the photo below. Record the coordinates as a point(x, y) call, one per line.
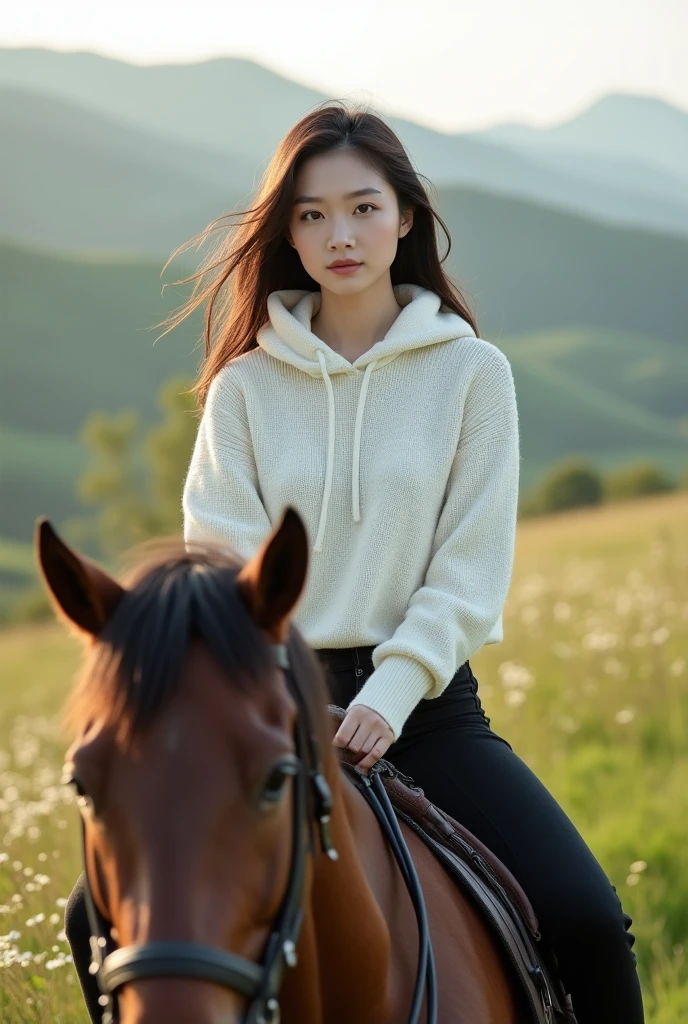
point(590, 686)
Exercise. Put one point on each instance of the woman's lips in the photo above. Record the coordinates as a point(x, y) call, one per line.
point(347, 269)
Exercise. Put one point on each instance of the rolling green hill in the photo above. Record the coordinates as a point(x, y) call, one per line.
point(74, 337)
point(80, 180)
point(531, 267)
point(578, 393)
point(633, 371)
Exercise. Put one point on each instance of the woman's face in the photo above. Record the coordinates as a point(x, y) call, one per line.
point(332, 225)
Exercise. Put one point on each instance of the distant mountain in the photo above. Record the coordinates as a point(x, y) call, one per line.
point(238, 107)
point(79, 180)
point(642, 130)
point(211, 104)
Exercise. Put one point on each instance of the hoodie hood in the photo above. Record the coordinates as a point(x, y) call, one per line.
point(288, 337)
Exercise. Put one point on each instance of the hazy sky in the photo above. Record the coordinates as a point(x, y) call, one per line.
point(450, 64)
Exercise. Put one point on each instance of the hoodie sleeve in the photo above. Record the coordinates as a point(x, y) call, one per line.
point(221, 498)
point(451, 615)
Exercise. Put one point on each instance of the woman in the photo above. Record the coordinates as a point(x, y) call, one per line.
point(364, 397)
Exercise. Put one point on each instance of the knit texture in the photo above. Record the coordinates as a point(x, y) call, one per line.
point(404, 466)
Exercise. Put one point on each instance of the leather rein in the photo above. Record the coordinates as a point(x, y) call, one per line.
point(260, 983)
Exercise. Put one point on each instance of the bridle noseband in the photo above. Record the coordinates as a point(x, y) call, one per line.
point(260, 983)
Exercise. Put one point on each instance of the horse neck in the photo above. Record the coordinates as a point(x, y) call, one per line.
point(345, 935)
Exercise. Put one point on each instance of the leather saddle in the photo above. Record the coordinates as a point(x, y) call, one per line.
point(490, 884)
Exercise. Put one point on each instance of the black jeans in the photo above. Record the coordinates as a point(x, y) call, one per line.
point(449, 750)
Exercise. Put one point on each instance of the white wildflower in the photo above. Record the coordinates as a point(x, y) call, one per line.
point(514, 697)
point(513, 675)
point(562, 611)
point(563, 650)
point(530, 614)
point(598, 640)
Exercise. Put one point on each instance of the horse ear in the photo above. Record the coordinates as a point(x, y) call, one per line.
point(80, 591)
point(272, 581)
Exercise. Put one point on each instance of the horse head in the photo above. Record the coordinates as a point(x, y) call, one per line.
point(188, 770)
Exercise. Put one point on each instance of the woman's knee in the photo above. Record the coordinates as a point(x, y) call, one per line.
point(590, 915)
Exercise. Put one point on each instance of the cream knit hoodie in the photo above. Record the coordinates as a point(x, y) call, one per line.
point(404, 466)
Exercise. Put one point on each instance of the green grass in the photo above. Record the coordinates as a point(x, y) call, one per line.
point(590, 686)
point(39, 825)
point(598, 615)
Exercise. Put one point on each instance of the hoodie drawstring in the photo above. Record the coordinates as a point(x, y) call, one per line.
point(355, 481)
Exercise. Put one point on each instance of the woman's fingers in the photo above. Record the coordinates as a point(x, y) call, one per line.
point(376, 752)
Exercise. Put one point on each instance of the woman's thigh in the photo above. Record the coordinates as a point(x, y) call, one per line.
point(472, 773)
point(475, 776)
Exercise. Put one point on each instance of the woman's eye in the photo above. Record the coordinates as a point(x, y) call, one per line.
point(308, 212)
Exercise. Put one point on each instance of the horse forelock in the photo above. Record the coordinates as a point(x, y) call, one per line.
point(176, 592)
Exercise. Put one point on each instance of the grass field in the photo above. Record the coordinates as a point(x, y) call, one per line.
point(590, 686)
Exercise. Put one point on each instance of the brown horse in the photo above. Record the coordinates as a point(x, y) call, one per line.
point(185, 767)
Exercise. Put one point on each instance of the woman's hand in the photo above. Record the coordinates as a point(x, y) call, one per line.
point(365, 731)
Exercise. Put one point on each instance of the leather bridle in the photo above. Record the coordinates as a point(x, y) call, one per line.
point(260, 983)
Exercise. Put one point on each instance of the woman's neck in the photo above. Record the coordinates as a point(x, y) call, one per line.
point(352, 324)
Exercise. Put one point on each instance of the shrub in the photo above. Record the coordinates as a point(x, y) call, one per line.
point(570, 484)
point(635, 479)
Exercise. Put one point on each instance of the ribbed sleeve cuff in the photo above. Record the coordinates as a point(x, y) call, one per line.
point(394, 689)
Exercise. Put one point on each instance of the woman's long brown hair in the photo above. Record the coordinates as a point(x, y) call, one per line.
point(254, 258)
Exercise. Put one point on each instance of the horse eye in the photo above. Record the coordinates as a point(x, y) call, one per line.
point(83, 798)
point(71, 779)
point(275, 784)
